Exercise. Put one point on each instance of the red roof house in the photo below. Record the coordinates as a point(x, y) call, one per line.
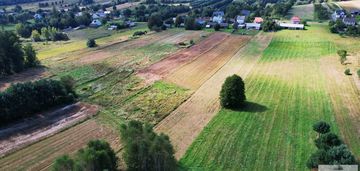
point(258, 20)
point(295, 20)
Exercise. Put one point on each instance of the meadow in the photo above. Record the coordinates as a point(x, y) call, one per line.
point(287, 92)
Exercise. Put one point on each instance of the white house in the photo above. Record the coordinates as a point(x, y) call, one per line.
point(95, 16)
point(338, 14)
point(253, 26)
point(349, 21)
point(240, 19)
point(292, 26)
point(218, 17)
point(37, 17)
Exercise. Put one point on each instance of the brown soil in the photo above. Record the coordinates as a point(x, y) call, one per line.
point(159, 70)
point(33, 129)
point(194, 74)
point(28, 75)
point(185, 123)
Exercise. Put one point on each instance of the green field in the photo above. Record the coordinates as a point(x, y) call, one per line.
point(287, 93)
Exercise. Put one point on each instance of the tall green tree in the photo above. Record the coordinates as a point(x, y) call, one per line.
point(232, 94)
point(30, 56)
point(145, 150)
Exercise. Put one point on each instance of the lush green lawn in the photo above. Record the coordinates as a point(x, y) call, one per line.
point(287, 94)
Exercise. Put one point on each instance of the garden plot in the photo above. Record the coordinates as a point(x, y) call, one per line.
point(194, 74)
point(159, 70)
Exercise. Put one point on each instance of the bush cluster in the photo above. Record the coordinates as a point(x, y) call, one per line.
point(25, 99)
point(98, 155)
point(331, 149)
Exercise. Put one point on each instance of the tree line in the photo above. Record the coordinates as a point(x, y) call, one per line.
point(26, 99)
point(331, 149)
point(14, 58)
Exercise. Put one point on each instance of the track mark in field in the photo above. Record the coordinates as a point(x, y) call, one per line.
point(40, 155)
point(162, 68)
point(194, 74)
point(185, 123)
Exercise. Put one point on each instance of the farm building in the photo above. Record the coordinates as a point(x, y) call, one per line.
point(295, 20)
point(255, 26)
point(292, 26)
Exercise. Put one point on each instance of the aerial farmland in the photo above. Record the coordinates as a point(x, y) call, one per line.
point(149, 91)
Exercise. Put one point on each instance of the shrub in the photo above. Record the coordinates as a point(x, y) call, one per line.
point(97, 155)
point(217, 27)
point(317, 158)
point(91, 43)
point(25, 99)
point(321, 127)
point(342, 54)
point(192, 42)
point(328, 140)
point(347, 71)
point(340, 155)
point(146, 150)
point(232, 94)
point(139, 33)
point(358, 73)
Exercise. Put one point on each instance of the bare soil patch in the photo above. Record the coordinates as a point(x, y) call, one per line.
point(194, 74)
point(185, 123)
point(33, 129)
point(350, 5)
point(28, 75)
point(124, 6)
point(162, 68)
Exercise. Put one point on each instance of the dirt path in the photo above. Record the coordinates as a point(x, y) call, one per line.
point(187, 121)
point(160, 69)
point(194, 74)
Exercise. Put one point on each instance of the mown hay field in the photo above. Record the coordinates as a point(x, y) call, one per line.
point(287, 92)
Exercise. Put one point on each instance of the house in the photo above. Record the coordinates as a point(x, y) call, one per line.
point(295, 20)
point(95, 23)
point(218, 16)
point(349, 21)
point(224, 25)
point(130, 24)
point(78, 14)
point(338, 14)
point(256, 26)
point(107, 12)
point(355, 12)
point(245, 13)
point(37, 17)
point(258, 20)
point(95, 16)
point(292, 26)
point(200, 21)
point(240, 19)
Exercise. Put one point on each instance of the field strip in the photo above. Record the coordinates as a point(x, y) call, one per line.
point(346, 102)
point(40, 155)
point(187, 121)
point(194, 74)
point(160, 69)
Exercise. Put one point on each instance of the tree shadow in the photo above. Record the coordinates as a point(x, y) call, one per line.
point(251, 107)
